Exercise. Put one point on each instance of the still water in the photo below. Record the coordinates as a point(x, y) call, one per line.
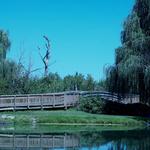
point(137, 139)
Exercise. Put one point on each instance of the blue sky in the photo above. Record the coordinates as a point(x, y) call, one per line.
point(83, 33)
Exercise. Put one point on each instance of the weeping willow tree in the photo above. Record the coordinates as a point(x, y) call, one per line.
point(131, 71)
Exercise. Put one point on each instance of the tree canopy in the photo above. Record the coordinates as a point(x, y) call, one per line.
point(131, 71)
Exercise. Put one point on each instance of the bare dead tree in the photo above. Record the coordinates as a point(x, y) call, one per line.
point(46, 57)
point(29, 70)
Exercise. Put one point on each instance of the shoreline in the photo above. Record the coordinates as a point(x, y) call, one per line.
point(69, 118)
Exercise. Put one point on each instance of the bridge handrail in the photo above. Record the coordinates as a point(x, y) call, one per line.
point(42, 94)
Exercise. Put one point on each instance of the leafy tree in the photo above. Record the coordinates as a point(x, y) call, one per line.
point(89, 83)
point(69, 83)
point(79, 81)
point(10, 74)
point(4, 44)
point(130, 74)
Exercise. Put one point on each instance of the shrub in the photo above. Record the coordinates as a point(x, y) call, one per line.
point(97, 105)
point(91, 104)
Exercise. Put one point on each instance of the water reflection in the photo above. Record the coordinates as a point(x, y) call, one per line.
point(102, 140)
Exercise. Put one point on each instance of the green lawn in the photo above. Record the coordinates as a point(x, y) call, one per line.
point(68, 117)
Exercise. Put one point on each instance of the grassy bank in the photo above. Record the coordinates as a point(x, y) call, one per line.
point(69, 117)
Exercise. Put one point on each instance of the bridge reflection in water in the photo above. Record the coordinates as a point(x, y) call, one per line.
point(21, 142)
point(95, 140)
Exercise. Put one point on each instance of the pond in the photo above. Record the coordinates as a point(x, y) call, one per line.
point(98, 138)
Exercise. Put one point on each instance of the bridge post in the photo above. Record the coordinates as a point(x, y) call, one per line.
point(73, 99)
point(65, 101)
point(41, 102)
point(14, 103)
point(54, 98)
point(28, 102)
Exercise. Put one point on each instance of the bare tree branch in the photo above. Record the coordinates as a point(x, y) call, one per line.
point(21, 55)
point(42, 67)
point(46, 57)
point(41, 55)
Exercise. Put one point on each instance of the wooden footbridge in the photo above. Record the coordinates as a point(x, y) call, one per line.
point(50, 100)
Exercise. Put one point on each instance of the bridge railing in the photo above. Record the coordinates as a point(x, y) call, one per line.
point(126, 99)
point(30, 101)
point(102, 94)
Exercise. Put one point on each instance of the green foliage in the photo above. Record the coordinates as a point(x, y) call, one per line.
point(92, 105)
point(101, 85)
point(14, 79)
point(79, 82)
point(10, 75)
point(130, 74)
point(89, 83)
point(69, 83)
